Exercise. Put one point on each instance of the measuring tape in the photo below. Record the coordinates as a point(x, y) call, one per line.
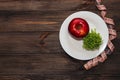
point(112, 35)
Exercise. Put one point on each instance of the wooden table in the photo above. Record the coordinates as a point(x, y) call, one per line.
point(29, 41)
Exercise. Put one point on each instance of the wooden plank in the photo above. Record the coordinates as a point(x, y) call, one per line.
point(112, 5)
point(11, 21)
point(46, 5)
point(31, 21)
point(54, 64)
point(15, 43)
point(34, 64)
point(59, 77)
point(29, 43)
point(42, 5)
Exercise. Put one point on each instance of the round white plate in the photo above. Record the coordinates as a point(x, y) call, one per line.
point(74, 47)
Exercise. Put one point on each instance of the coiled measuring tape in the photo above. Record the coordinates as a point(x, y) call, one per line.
point(112, 35)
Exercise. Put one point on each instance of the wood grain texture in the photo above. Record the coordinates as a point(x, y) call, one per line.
point(29, 41)
point(12, 21)
point(42, 5)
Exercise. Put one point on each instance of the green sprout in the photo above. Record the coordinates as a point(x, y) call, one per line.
point(92, 41)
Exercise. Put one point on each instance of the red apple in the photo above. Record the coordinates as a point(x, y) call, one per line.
point(78, 27)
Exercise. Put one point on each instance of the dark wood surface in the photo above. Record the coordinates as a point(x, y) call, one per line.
point(29, 41)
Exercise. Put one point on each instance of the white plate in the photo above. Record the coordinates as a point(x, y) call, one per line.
point(74, 47)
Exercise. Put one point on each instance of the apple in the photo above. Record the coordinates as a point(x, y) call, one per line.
point(78, 27)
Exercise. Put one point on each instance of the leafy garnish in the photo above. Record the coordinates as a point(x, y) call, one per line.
point(92, 41)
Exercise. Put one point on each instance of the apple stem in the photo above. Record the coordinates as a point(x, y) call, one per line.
point(78, 27)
